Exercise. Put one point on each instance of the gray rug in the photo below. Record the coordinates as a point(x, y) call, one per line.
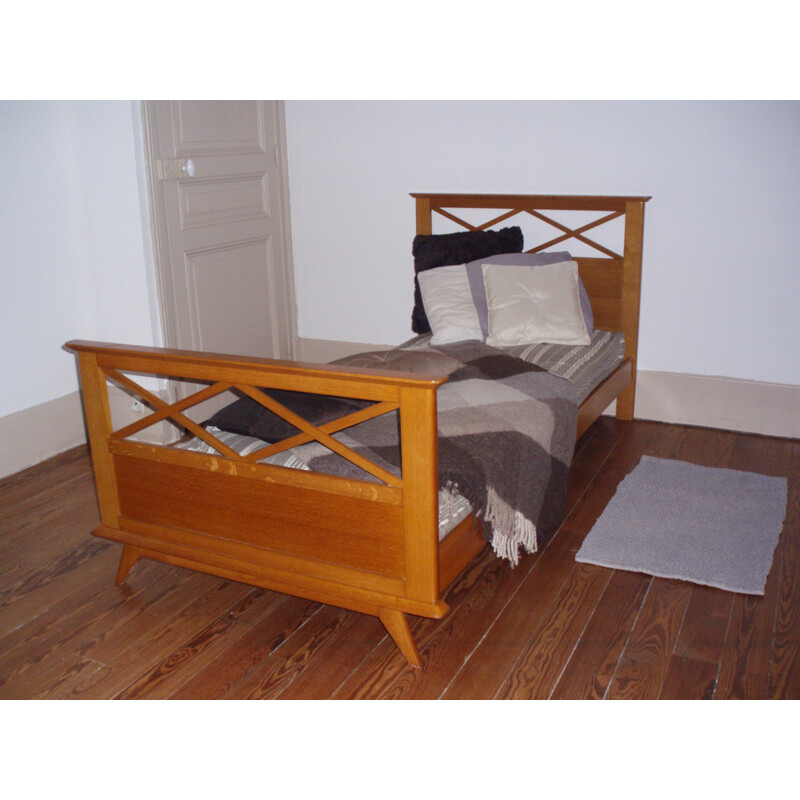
point(718, 527)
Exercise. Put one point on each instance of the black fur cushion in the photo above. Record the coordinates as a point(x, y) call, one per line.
point(250, 418)
point(446, 249)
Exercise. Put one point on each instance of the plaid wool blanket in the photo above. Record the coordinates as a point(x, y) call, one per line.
point(506, 438)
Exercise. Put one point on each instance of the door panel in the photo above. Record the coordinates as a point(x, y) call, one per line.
point(226, 287)
point(213, 202)
point(227, 126)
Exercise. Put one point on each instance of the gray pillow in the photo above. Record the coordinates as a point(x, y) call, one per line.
point(476, 285)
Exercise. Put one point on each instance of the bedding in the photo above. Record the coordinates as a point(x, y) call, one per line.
point(476, 282)
point(454, 297)
point(529, 306)
point(506, 434)
point(247, 417)
point(447, 249)
point(584, 366)
point(451, 312)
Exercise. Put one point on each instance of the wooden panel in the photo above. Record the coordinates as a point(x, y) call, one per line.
point(304, 479)
point(253, 559)
point(602, 278)
point(343, 530)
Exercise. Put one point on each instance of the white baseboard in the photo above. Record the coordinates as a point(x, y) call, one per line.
point(770, 409)
point(321, 351)
point(41, 432)
point(35, 434)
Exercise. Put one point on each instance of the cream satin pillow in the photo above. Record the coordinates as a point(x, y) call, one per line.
point(528, 305)
point(448, 303)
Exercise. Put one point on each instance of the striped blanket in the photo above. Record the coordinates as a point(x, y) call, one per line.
point(506, 437)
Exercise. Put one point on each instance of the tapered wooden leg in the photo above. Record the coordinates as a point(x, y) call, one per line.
point(396, 624)
point(130, 555)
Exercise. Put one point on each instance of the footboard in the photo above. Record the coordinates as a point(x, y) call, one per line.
point(367, 545)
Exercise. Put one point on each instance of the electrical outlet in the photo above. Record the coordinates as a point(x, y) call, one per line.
point(137, 406)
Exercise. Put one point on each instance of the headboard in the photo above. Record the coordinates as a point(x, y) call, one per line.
point(612, 279)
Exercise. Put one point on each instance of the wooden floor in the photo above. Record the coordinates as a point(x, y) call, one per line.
point(551, 628)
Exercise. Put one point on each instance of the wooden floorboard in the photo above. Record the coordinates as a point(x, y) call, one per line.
point(550, 628)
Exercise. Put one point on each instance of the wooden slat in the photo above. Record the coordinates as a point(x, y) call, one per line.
point(218, 367)
point(543, 201)
point(518, 619)
point(577, 233)
point(745, 660)
point(384, 666)
point(167, 675)
point(165, 410)
point(376, 410)
point(321, 436)
point(216, 678)
point(539, 666)
point(689, 679)
point(591, 665)
point(785, 651)
point(644, 663)
point(269, 473)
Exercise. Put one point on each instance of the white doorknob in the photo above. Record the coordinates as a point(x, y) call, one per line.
point(188, 168)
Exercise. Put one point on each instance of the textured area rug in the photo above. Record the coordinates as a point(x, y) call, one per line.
point(717, 527)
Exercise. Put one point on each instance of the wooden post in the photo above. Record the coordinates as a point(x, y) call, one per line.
point(99, 427)
point(420, 465)
point(631, 291)
point(424, 221)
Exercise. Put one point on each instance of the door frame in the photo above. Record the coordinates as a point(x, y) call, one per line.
point(288, 340)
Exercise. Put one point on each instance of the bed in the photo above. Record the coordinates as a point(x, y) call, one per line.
point(370, 545)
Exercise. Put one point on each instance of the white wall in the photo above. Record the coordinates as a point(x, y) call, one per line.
point(76, 258)
point(722, 246)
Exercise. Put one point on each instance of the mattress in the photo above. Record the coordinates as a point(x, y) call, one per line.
point(585, 366)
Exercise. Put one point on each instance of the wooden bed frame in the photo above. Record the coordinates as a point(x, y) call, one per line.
point(366, 546)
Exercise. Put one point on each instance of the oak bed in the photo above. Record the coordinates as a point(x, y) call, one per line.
point(372, 545)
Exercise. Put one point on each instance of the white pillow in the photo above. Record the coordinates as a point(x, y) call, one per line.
point(528, 305)
point(447, 298)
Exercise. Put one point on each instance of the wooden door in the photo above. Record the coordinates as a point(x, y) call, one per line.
point(221, 227)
